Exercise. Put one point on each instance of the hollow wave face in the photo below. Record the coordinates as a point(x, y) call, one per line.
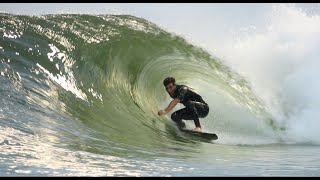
point(75, 88)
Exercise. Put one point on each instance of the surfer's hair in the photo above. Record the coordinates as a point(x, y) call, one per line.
point(169, 80)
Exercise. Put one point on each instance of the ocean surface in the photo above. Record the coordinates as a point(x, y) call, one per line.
point(79, 96)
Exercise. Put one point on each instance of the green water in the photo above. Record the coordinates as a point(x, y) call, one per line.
point(80, 96)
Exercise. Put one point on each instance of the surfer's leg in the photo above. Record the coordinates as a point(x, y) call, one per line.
point(179, 115)
point(197, 110)
point(202, 109)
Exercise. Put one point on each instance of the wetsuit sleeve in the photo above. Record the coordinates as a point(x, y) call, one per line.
point(181, 93)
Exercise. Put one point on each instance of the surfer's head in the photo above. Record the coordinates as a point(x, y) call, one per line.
point(170, 84)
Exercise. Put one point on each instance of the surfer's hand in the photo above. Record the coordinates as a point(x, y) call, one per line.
point(161, 112)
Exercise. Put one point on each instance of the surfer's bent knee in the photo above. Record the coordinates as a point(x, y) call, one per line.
point(175, 117)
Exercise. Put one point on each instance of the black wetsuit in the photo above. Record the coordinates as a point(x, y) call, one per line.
point(195, 106)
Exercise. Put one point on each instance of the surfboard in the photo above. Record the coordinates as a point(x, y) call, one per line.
point(208, 136)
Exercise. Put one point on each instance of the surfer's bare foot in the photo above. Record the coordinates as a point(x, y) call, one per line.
point(197, 129)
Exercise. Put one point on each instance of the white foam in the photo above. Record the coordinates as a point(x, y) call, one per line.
point(282, 64)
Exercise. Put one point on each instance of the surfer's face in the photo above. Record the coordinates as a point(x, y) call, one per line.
point(171, 88)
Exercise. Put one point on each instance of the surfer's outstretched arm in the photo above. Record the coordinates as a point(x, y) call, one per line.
point(172, 104)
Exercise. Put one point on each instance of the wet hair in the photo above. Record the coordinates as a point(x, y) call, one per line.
point(169, 80)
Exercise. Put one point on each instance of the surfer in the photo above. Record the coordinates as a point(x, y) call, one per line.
point(195, 106)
